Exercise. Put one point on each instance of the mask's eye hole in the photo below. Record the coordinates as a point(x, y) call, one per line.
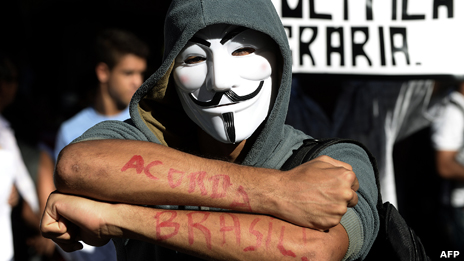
point(194, 59)
point(243, 51)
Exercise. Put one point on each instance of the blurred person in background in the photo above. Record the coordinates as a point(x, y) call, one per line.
point(377, 113)
point(448, 142)
point(119, 67)
point(44, 246)
point(120, 61)
point(16, 185)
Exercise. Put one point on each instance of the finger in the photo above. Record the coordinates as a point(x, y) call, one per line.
point(51, 226)
point(60, 230)
point(355, 184)
point(69, 241)
point(349, 179)
point(334, 162)
point(354, 200)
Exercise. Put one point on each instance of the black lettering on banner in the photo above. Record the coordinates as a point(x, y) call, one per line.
point(360, 48)
point(449, 5)
point(304, 47)
point(333, 49)
point(298, 11)
point(289, 30)
point(382, 47)
point(345, 10)
point(406, 16)
point(314, 15)
point(288, 12)
point(394, 7)
point(402, 49)
point(369, 15)
point(357, 48)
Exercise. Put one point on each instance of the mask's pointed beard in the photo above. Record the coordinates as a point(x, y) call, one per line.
point(229, 125)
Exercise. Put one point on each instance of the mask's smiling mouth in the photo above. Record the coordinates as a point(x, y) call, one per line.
point(235, 98)
point(222, 105)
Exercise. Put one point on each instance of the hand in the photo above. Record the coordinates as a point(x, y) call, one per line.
point(69, 219)
point(316, 194)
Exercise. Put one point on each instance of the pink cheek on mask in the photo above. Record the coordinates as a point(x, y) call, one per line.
point(184, 79)
point(256, 69)
point(264, 66)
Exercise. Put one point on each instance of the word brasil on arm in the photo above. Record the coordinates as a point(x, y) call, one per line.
point(220, 184)
point(167, 227)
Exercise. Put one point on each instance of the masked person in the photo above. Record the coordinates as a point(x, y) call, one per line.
point(207, 134)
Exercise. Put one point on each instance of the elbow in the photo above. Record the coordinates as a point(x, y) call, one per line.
point(68, 171)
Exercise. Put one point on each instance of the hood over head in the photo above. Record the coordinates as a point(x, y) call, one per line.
point(156, 108)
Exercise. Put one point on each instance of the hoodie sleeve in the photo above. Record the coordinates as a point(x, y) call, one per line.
point(361, 222)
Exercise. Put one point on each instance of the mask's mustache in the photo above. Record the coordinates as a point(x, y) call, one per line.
point(230, 94)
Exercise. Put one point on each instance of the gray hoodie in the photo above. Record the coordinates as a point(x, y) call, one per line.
point(157, 116)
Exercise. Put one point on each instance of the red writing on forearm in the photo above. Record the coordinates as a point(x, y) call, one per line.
point(220, 184)
point(166, 228)
point(146, 170)
point(241, 200)
point(171, 174)
point(191, 225)
point(137, 163)
point(217, 192)
point(166, 224)
point(201, 184)
point(259, 236)
point(281, 247)
point(200, 181)
point(269, 235)
point(235, 227)
point(193, 181)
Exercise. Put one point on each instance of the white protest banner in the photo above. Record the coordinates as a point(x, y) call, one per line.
point(375, 37)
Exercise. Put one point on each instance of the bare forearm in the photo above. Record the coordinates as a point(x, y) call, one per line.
point(210, 235)
point(448, 167)
point(454, 171)
point(231, 236)
point(151, 174)
point(315, 194)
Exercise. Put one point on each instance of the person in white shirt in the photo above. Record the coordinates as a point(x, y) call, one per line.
point(448, 141)
point(13, 172)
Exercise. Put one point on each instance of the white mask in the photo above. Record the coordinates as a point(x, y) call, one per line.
point(225, 79)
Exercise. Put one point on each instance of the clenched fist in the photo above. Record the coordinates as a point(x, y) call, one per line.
point(315, 194)
point(69, 219)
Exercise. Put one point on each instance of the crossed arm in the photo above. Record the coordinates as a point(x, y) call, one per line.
point(447, 165)
point(133, 173)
